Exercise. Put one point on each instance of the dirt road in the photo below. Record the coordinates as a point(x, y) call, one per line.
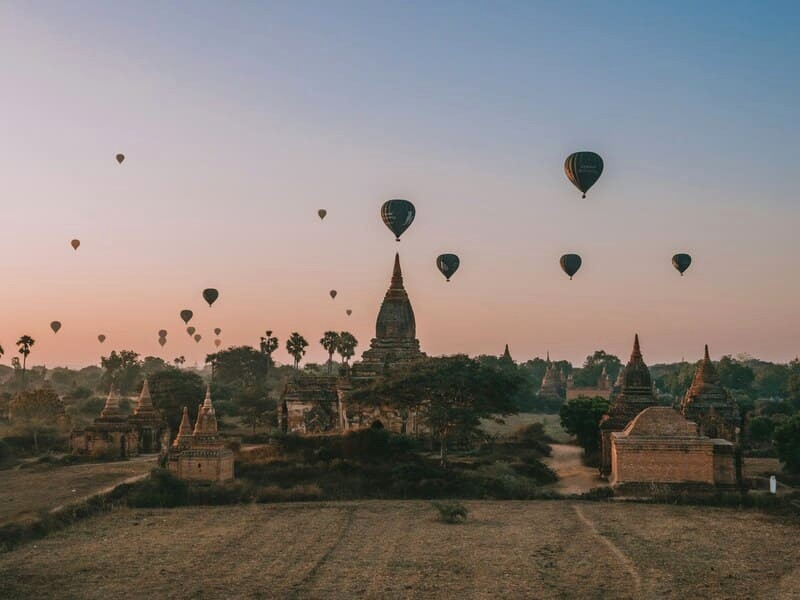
point(573, 476)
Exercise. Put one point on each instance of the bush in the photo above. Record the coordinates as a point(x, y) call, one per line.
point(297, 493)
point(161, 490)
point(451, 512)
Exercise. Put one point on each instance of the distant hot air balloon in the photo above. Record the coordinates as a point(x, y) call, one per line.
point(162, 341)
point(349, 312)
point(570, 263)
point(198, 337)
point(190, 330)
point(55, 326)
point(75, 244)
point(681, 262)
point(101, 338)
point(217, 331)
point(162, 333)
point(322, 212)
point(186, 315)
point(398, 216)
point(120, 158)
point(448, 264)
point(210, 295)
point(217, 343)
point(583, 169)
point(333, 293)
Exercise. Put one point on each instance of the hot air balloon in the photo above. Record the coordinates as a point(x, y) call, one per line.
point(120, 158)
point(583, 169)
point(55, 326)
point(349, 312)
point(333, 293)
point(101, 338)
point(217, 343)
point(162, 333)
point(186, 315)
point(570, 263)
point(217, 331)
point(210, 295)
point(681, 262)
point(198, 337)
point(190, 330)
point(75, 244)
point(398, 216)
point(448, 264)
point(162, 341)
point(322, 212)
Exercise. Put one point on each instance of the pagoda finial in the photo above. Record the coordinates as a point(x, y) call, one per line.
point(548, 356)
point(198, 425)
point(707, 358)
point(397, 274)
point(636, 354)
point(207, 401)
point(507, 354)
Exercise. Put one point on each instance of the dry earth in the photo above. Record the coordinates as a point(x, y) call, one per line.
point(545, 549)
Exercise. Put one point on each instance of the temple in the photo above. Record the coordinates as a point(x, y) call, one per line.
point(552, 387)
point(506, 357)
point(710, 405)
point(634, 395)
point(199, 454)
point(150, 425)
point(111, 435)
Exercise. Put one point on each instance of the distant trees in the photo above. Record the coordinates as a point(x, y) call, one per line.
point(330, 342)
point(268, 345)
point(122, 369)
point(735, 375)
point(172, 389)
point(581, 417)
point(589, 374)
point(240, 367)
point(296, 347)
point(346, 346)
point(36, 410)
point(787, 442)
point(24, 345)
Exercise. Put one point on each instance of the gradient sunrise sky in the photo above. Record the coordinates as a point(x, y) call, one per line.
point(240, 120)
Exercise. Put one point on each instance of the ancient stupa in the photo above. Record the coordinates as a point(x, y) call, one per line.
point(148, 422)
point(709, 404)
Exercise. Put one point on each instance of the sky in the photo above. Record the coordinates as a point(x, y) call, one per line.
point(240, 120)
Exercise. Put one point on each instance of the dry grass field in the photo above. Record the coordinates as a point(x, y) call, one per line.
point(379, 549)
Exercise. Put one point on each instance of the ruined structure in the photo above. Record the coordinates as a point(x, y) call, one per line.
point(659, 447)
point(151, 427)
point(710, 405)
point(199, 454)
point(635, 394)
point(506, 357)
point(602, 389)
point(110, 435)
point(552, 388)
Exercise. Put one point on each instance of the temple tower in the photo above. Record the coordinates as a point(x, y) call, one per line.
point(148, 422)
point(110, 435)
point(506, 357)
point(552, 387)
point(710, 405)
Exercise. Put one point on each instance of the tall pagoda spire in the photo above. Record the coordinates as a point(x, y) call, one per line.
point(507, 355)
point(111, 409)
point(145, 402)
point(709, 404)
point(397, 274)
point(184, 431)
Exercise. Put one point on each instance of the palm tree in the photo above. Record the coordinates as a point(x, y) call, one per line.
point(346, 346)
point(268, 345)
point(296, 346)
point(330, 341)
point(25, 343)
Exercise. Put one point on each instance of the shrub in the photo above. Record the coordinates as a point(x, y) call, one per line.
point(297, 493)
point(451, 512)
point(161, 490)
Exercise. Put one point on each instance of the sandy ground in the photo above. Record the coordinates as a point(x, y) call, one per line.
point(26, 492)
point(374, 549)
point(573, 476)
point(552, 425)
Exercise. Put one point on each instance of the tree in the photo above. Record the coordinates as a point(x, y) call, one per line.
point(296, 346)
point(123, 369)
point(581, 417)
point(346, 346)
point(759, 430)
point(449, 394)
point(330, 342)
point(173, 389)
point(254, 404)
point(589, 374)
point(179, 360)
point(239, 367)
point(787, 442)
point(25, 343)
point(37, 409)
point(734, 375)
point(268, 345)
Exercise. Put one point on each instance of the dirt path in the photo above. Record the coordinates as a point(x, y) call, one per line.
point(573, 476)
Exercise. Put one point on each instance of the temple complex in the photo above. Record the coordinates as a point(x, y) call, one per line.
point(110, 435)
point(199, 454)
point(552, 387)
point(659, 447)
point(634, 395)
point(710, 405)
point(150, 425)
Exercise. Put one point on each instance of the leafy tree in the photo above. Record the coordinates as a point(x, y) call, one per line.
point(123, 369)
point(592, 368)
point(346, 346)
point(239, 367)
point(254, 404)
point(268, 345)
point(449, 394)
point(735, 375)
point(179, 360)
point(581, 417)
point(24, 344)
point(330, 341)
point(787, 442)
point(37, 410)
point(173, 389)
point(771, 380)
point(759, 431)
point(296, 347)
point(153, 364)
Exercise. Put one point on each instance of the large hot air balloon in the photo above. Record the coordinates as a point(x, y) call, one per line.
point(162, 341)
point(120, 158)
point(190, 330)
point(448, 264)
point(570, 263)
point(75, 244)
point(398, 216)
point(217, 343)
point(681, 262)
point(186, 315)
point(198, 337)
point(217, 331)
point(583, 169)
point(162, 333)
point(210, 295)
point(55, 326)
point(333, 293)
point(349, 311)
point(322, 212)
point(101, 338)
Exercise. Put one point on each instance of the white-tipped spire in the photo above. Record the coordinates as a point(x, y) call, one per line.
point(207, 401)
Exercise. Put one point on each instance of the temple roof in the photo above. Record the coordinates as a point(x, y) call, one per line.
point(507, 355)
point(396, 317)
point(111, 411)
point(144, 406)
point(633, 391)
point(185, 429)
point(637, 375)
point(706, 392)
point(206, 416)
point(661, 421)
